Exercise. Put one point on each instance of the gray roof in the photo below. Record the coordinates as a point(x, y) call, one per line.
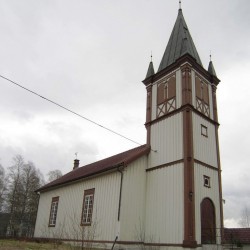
point(179, 44)
point(211, 69)
point(151, 70)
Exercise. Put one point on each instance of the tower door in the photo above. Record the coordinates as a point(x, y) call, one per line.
point(208, 228)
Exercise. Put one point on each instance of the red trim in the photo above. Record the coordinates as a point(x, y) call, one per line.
point(205, 165)
point(185, 58)
point(218, 155)
point(165, 165)
point(111, 242)
point(189, 195)
point(179, 110)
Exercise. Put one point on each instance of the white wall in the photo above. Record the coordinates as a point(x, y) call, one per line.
point(133, 200)
point(70, 208)
point(204, 147)
point(167, 139)
point(164, 203)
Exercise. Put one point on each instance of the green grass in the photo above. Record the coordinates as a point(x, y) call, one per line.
point(25, 245)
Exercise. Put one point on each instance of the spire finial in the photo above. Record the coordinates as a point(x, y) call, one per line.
point(151, 56)
point(179, 4)
point(210, 56)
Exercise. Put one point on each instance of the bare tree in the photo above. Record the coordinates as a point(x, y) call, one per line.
point(31, 180)
point(21, 200)
point(245, 217)
point(54, 174)
point(79, 232)
point(3, 188)
point(14, 196)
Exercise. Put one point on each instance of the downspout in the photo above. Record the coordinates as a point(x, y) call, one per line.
point(120, 170)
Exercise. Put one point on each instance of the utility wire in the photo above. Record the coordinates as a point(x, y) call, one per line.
point(69, 110)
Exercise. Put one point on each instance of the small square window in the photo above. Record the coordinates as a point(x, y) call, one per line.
point(206, 181)
point(204, 131)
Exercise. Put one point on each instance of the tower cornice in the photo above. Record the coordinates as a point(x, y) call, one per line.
point(177, 64)
point(179, 110)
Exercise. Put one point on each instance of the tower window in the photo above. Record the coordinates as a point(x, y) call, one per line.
point(206, 181)
point(166, 96)
point(204, 131)
point(202, 96)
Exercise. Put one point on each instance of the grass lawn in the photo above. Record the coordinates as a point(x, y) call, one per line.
point(24, 245)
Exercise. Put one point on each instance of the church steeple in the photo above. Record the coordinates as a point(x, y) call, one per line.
point(179, 44)
point(182, 128)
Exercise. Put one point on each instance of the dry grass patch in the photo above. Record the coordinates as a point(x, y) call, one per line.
point(25, 245)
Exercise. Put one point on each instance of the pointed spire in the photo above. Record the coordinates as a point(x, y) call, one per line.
point(211, 69)
point(151, 70)
point(180, 5)
point(179, 44)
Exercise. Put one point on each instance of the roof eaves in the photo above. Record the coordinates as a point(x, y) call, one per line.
point(80, 178)
point(136, 156)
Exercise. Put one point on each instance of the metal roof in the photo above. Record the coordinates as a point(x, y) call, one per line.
point(179, 44)
point(237, 235)
point(211, 69)
point(151, 70)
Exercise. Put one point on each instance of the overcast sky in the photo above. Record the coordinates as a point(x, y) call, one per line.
point(91, 56)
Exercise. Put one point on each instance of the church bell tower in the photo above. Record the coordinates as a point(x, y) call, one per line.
point(184, 196)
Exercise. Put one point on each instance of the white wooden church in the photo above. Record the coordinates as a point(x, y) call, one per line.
point(165, 194)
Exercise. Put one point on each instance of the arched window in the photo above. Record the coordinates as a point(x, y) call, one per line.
point(208, 228)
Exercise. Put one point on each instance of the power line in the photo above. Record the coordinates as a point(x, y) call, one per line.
point(69, 110)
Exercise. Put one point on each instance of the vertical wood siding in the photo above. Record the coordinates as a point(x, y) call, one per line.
point(164, 204)
point(210, 101)
point(154, 101)
point(133, 200)
point(202, 192)
point(70, 208)
point(167, 139)
point(178, 89)
point(193, 88)
point(204, 147)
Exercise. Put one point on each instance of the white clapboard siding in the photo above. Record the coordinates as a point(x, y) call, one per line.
point(105, 213)
point(167, 140)
point(164, 205)
point(133, 199)
point(154, 102)
point(204, 147)
point(202, 192)
point(193, 88)
point(178, 89)
point(210, 101)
